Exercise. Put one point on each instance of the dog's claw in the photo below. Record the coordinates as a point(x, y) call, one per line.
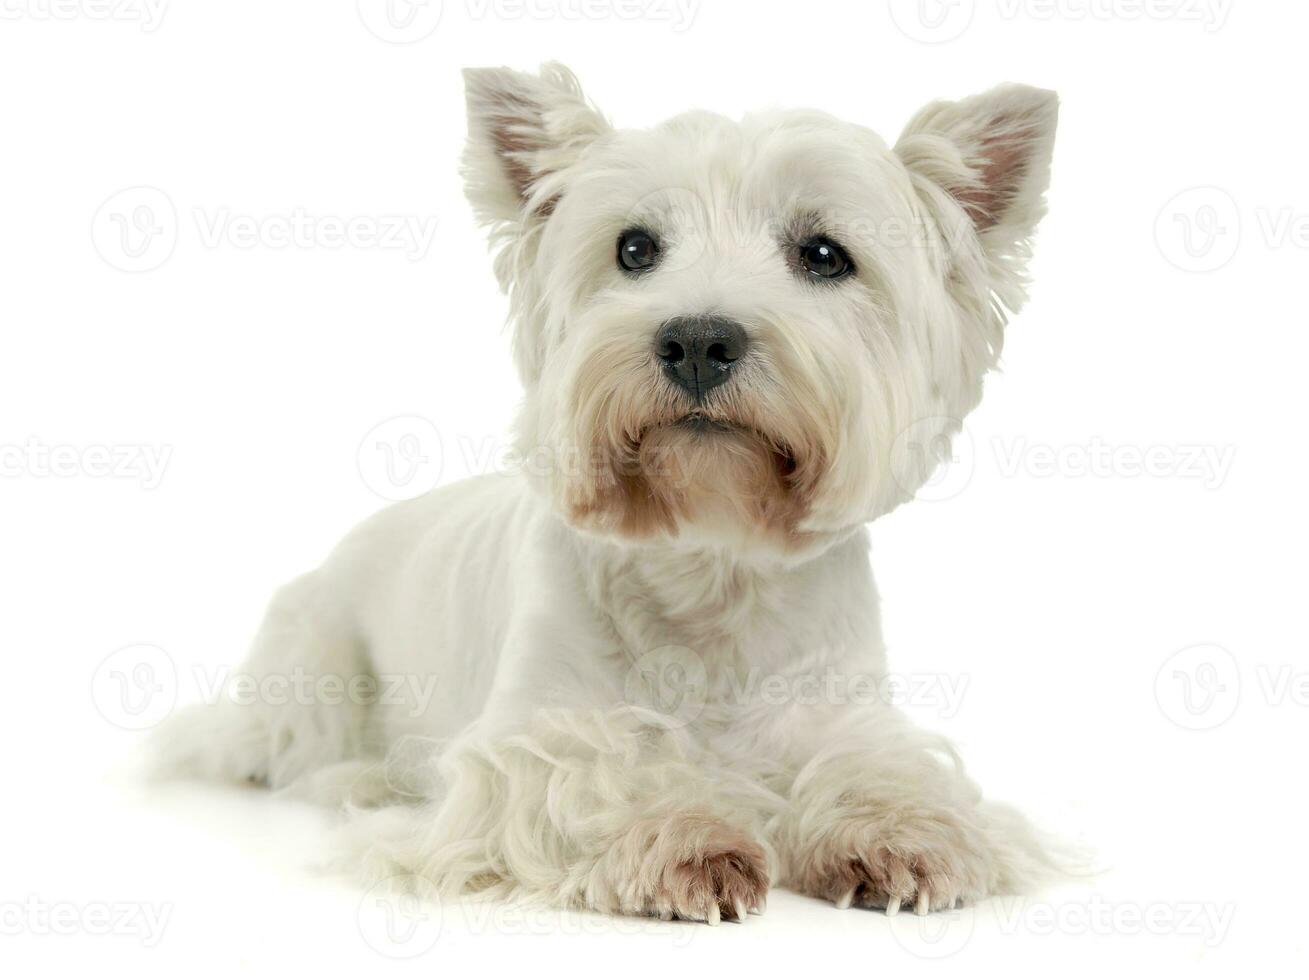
point(740, 910)
point(845, 900)
point(893, 906)
point(761, 908)
point(715, 916)
point(924, 902)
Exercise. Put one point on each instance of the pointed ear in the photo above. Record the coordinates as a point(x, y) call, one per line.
point(524, 131)
point(991, 155)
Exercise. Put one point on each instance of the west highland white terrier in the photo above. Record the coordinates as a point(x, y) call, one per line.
point(739, 342)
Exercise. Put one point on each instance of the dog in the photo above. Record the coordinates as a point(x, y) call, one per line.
point(739, 341)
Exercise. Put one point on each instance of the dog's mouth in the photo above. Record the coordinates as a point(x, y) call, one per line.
point(699, 472)
point(704, 425)
point(701, 424)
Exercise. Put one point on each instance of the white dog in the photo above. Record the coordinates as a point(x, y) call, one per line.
point(740, 341)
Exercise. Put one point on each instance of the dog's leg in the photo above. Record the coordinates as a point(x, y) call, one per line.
point(612, 810)
point(881, 814)
point(289, 711)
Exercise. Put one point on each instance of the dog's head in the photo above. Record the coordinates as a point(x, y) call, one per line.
point(751, 334)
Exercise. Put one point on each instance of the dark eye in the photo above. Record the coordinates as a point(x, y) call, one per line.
point(637, 250)
point(825, 259)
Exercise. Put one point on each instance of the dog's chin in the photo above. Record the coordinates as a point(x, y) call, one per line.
point(700, 481)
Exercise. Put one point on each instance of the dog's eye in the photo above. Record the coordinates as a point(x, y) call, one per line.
point(824, 259)
point(637, 250)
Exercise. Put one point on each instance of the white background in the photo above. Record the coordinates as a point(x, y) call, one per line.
point(1062, 584)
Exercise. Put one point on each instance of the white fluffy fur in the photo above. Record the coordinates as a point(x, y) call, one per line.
point(531, 598)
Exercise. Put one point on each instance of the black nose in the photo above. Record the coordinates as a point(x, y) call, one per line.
point(699, 352)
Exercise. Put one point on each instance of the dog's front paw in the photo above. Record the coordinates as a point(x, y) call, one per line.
point(688, 866)
point(922, 860)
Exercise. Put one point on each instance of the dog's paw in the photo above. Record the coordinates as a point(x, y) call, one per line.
point(689, 866)
point(922, 861)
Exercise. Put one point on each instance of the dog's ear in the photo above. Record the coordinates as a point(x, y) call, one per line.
point(991, 155)
point(524, 131)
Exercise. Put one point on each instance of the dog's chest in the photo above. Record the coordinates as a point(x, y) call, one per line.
point(744, 627)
